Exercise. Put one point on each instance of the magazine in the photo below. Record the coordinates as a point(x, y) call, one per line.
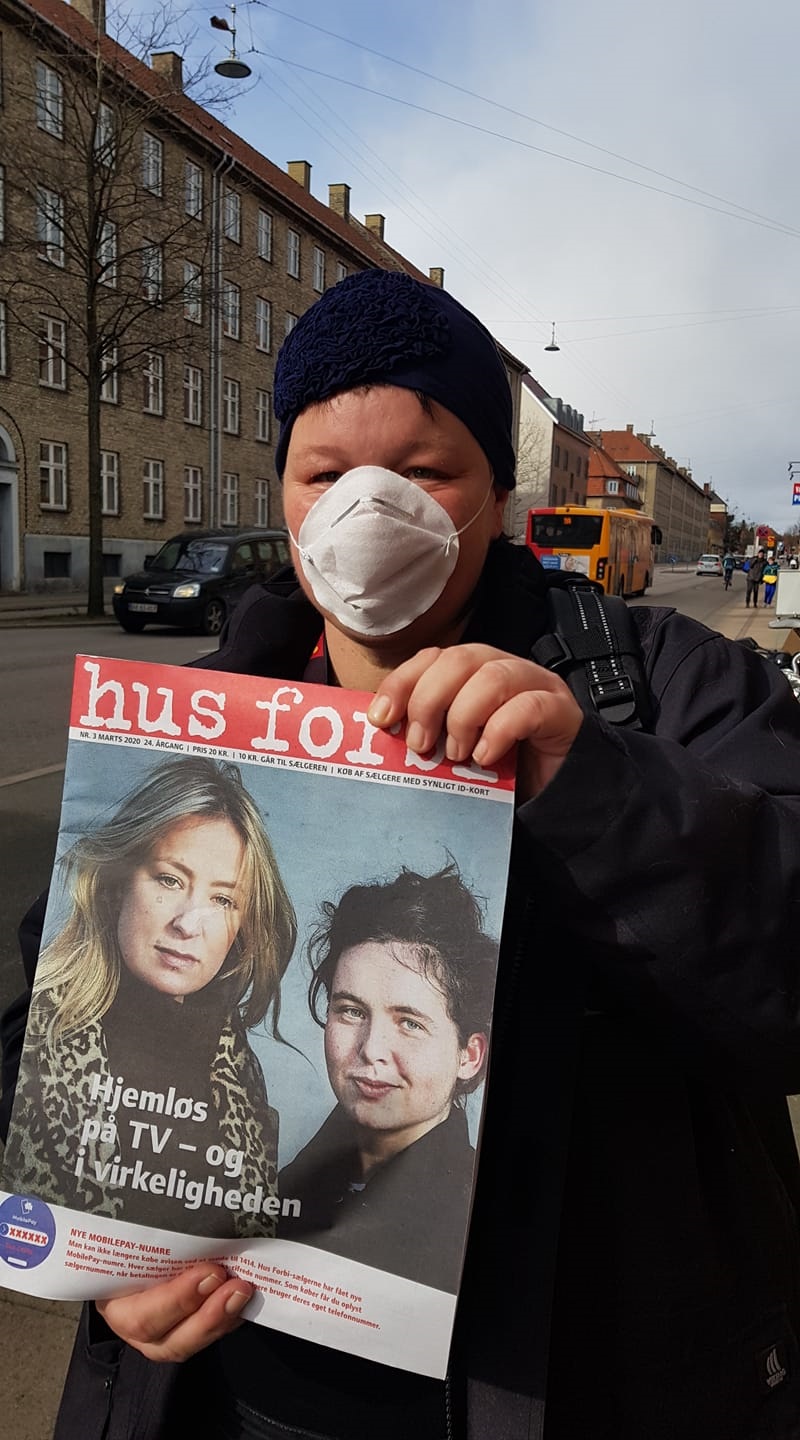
point(260, 1026)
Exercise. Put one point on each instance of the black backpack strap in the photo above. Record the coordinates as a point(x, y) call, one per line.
point(593, 644)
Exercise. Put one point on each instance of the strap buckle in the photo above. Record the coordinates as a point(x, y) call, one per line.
point(614, 699)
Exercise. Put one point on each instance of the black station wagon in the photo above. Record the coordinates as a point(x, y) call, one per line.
point(197, 578)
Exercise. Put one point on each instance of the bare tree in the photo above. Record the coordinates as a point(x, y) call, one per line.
point(126, 274)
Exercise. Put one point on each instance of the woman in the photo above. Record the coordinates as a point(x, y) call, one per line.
point(632, 1262)
point(405, 975)
point(137, 1064)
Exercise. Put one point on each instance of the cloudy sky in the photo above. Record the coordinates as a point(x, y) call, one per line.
point(627, 170)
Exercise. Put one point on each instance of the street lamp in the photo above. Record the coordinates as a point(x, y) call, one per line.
point(552, 345)
point(233, 68)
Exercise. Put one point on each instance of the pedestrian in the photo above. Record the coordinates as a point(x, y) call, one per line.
point(770, 578)
point(754, 570)
point(632, 1269)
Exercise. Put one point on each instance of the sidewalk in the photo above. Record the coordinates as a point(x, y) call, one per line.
point(36, 1335)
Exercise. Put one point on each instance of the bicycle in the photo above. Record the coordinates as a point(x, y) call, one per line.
point(728, 576)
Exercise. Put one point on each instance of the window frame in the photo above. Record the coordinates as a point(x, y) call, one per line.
point(192, 394)
point(231, 310)
point(152, 163)
point(262, 503)
point(54, 468)
point(293, 253)
point(109, 477)
point(49, 100)
point(50, 241)
point(192, 489)
point(193, 189)
point(52, 342)
point(231, 405)
point(231, 215)
point(192, 292)
point(264, 234)
point(153, 486)
point(229, 498)
point(153, 374)
point(318, 269)
point(263, 324)
point(264, 416)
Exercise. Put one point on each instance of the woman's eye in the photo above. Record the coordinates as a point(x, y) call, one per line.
point(325, 477)
point(170, 882)
point(224, 902)
point(411, 1025)
point(422, 472)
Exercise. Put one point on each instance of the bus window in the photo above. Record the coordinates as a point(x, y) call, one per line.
point(561, 532)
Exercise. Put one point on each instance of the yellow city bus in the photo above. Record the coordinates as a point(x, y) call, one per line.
point(616, 547)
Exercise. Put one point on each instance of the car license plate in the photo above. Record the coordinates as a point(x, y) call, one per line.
point(143, 609)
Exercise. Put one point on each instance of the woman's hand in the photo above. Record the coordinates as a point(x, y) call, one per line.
point(180, 1316)
point(484, 700)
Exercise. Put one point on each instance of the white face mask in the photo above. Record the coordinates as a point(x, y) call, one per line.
point(377, 550)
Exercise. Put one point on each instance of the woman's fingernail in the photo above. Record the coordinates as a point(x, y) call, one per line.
point(209, 1285)
point(236, 1302)
point(452, 749)
point(480, 752)
point(380, 710)
point(415, 737)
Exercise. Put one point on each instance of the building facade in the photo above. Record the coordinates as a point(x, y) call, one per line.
point(552, 455)
point(198, 257)
point(679, 506)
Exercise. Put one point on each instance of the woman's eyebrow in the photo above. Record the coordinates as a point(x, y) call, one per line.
point(172, 864)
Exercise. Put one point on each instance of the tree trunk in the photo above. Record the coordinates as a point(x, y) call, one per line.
point(95, 607)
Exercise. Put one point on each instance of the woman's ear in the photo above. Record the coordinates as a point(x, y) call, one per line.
point(499, 503)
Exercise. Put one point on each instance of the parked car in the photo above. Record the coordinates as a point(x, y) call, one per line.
point(709, 565)
point(197, 577)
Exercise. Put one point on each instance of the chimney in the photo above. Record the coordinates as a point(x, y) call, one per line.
point(170, 66)
point(300, 170)
point(436, 276)
point(339, 200)
point(375, 224)
point(94, 11)
point(629, 429)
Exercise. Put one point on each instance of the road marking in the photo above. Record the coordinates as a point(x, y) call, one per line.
point(31, 775)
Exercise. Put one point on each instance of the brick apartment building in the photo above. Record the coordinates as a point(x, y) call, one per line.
point(202, 259)
point(679, 506)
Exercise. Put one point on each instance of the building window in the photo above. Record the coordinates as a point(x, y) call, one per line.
point(109, 384)
point(152, 272)
point(193, 190)
point(107, 254)
point(56, 564)
point(232, 216)
point(192, 395)
point(52, 475)
point(153, 483)
point(229, 499)
point(192, 494)
point(318, 280)
point(612, 487)
point(50, 225)
point(109, 475)
point(49, 100)
point(293, 254)
point(105, 137)
point(193, 292)
point(263, 323)
point(262, 503)
point(289, 323)
point(263, 414)
point(153, 392)
point(3, 340)
point(556, 456)
point(264, 235)
point(152, 163)
point(52, 353)
point(230, 406)
point(341, 272)
point(231, 310)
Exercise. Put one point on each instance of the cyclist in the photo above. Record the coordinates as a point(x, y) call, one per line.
point(728, 567)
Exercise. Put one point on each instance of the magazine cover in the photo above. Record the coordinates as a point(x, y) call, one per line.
point(261, 1020)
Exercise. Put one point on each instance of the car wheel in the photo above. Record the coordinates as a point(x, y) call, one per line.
point(214, 617)
point(132, 623)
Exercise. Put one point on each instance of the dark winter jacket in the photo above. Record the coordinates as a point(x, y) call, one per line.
point(408, 1216)
point(637, 1164)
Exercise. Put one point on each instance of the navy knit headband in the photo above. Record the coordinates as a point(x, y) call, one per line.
point(381, 327)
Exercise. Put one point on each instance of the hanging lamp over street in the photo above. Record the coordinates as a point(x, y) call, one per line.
point(553, 345)
point(233, 68)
